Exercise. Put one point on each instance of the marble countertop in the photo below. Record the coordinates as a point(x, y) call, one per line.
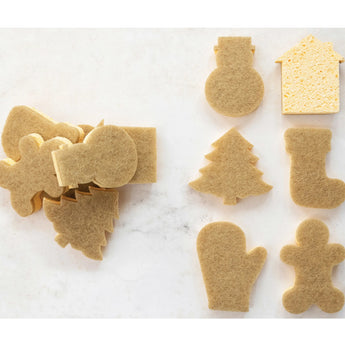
point(155, 78)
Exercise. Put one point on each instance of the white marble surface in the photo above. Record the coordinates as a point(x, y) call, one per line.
point(155, 78)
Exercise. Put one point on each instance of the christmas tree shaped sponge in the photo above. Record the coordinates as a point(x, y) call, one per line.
point(83, 221)
point(232, 173)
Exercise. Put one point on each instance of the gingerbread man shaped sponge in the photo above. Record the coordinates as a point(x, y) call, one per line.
point(234, 88)
point(32, 174)
point(23, 120)
point(107, 157)
point(313, 258)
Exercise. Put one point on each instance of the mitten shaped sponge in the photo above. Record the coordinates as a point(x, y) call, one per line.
point(229, 271)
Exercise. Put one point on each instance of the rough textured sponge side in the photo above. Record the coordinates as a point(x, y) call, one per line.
point(234, 88)
point(309, 184)
point(23, 120)
point(82, 221)
point(229, 272)
point(313, 259)
point(310, 78)
point(232, 174)
point(107, 157)
point(32, 174)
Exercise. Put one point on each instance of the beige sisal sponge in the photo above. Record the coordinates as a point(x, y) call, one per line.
point(145, 141)
point(32, 174)
point(309, 184)
point(232, 174)
point(23, 120)
point(83, 220)
point(313, 259)
point(234, 88)
point(107, 157)
point(310, 78)
point(229, 271)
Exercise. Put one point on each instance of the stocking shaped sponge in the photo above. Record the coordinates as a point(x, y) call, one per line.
point(229, 271)
point(107, 157)
point(23, 120)
point(32, 174)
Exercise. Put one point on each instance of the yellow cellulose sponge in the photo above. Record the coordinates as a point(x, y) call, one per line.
point(229, 272)
point(310, 78)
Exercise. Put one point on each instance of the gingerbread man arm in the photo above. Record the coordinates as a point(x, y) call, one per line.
point(289, 254)
point(30, 144)
point(336, 253)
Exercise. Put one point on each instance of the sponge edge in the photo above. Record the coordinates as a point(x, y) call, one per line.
point(310, 78)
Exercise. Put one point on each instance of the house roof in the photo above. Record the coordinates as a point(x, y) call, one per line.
point(310, 44)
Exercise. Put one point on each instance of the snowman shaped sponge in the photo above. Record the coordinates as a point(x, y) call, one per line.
point(107, 157)
point(234, 88)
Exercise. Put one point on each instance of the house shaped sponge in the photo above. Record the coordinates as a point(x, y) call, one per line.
point(310, 78)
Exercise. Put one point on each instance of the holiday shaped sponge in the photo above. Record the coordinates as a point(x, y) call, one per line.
point(313, 259)
point(83, 221)
point(23, 120)
point(234, 88)
point(32, 174)
point(232, 174)
point(309, 184)
point(145, 141)
point(310, 78)
point(107, 157)
point(229, 272)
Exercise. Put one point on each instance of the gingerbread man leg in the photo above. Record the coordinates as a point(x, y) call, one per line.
point(296, 300)
point(25, 205)
point(330, 300)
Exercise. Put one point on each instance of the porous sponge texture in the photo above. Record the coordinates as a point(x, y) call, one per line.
point(310, 78)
